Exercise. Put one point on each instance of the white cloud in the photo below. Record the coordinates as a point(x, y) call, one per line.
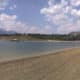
point(75, 2)
point(51, 10)
point(75, 12)
point(10, 23)
point(62, 17)
point(63, 14)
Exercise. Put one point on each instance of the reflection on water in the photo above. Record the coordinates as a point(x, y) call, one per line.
point(28, 48)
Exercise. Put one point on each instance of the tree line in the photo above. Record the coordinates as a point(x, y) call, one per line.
point(45, 36)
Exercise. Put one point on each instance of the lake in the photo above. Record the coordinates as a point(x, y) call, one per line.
point(10, 49)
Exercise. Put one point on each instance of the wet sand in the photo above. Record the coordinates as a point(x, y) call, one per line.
point(63, 65)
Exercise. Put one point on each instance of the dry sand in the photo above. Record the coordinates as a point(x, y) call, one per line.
point(64, 65)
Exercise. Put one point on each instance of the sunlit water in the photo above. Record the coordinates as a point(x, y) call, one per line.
point(9, 49)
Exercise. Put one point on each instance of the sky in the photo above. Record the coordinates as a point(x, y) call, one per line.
point(40, 16)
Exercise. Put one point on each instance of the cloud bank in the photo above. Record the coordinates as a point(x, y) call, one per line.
point(65, 14)
point(61, 16)
point(10, 23)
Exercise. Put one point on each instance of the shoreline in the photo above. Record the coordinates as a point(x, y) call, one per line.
point(4, 60)
point(58, 66)
point(18, 40)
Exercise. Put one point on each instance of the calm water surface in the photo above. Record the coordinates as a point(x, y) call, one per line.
point(32, 48)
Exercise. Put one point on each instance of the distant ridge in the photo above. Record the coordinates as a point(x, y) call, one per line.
point(2, 31)
point(74, 33)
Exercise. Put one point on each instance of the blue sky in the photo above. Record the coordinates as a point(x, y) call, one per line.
point(29, 11)
point(40, 16)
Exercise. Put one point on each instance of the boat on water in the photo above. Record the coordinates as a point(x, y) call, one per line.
point(15, 40)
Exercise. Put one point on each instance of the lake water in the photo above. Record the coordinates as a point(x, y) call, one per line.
point(10, 49)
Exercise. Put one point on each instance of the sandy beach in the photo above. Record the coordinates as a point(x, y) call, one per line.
point(63, 65)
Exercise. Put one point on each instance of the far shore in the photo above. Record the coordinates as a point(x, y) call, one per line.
point(18, 40)
point(63, 65)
